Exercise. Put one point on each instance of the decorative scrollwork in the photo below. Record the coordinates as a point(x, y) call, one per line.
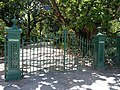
point(14, 55)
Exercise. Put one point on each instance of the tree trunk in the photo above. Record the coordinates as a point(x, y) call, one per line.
point(28, 26)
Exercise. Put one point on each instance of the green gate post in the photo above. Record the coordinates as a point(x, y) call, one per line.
point(13, 71)
point(99, 50)
point(118, 51)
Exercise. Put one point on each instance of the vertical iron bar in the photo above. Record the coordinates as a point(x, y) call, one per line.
point(32, 59)
point(5, 56)
point(40, 51)
point(47, 66)
point(82, 50)
point(30, 55)
point(72, 48)
point(37, 56)
point(71, 51)
point(22, 55)
point(50, 51)
point(26, 55)
point(53, 52)
point(44, 53)
point(67, 54)
point(88, 51)
point(62, 50)
point(64, 47)
point(59, 52)
point(34, 55)
point(69, 48)
point(56, 52)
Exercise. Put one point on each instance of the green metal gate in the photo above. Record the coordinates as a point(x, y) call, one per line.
point(55, 52)
point(52, 52)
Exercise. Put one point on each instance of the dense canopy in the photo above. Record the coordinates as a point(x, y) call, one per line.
point(84, 17)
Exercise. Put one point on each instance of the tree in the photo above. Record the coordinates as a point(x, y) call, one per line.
point(84, 16)
point(10, 9)
point(2, 31)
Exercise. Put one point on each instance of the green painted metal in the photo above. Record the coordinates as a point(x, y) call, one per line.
point(118, 50)
point(5, 55)
point(55, 52)
point(12, 60)
point(99, 51)
point(22, 55)
point(119, 47)
point(65, 38)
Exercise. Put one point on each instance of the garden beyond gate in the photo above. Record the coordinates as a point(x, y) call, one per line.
point(112, 51)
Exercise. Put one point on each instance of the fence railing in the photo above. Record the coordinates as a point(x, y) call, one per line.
point(55, 52)
point(111, 51)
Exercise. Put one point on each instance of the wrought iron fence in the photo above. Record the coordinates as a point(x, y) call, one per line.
point(111, 55)
point(55, 52)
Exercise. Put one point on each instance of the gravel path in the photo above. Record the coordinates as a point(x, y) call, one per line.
point(83, 79)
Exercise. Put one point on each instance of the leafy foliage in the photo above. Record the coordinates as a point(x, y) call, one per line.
point(2, 31)
point(82, 16)
point(115, 26)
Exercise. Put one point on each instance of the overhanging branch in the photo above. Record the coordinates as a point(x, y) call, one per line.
point(58, 13)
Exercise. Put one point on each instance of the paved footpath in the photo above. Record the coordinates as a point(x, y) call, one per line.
point(83, 79)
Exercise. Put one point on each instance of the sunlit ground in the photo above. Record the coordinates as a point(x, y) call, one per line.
point(83, 79)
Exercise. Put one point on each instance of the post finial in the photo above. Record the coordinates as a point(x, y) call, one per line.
point(14, 21)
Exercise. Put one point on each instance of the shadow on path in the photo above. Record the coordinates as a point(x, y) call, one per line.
point(83, 79)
